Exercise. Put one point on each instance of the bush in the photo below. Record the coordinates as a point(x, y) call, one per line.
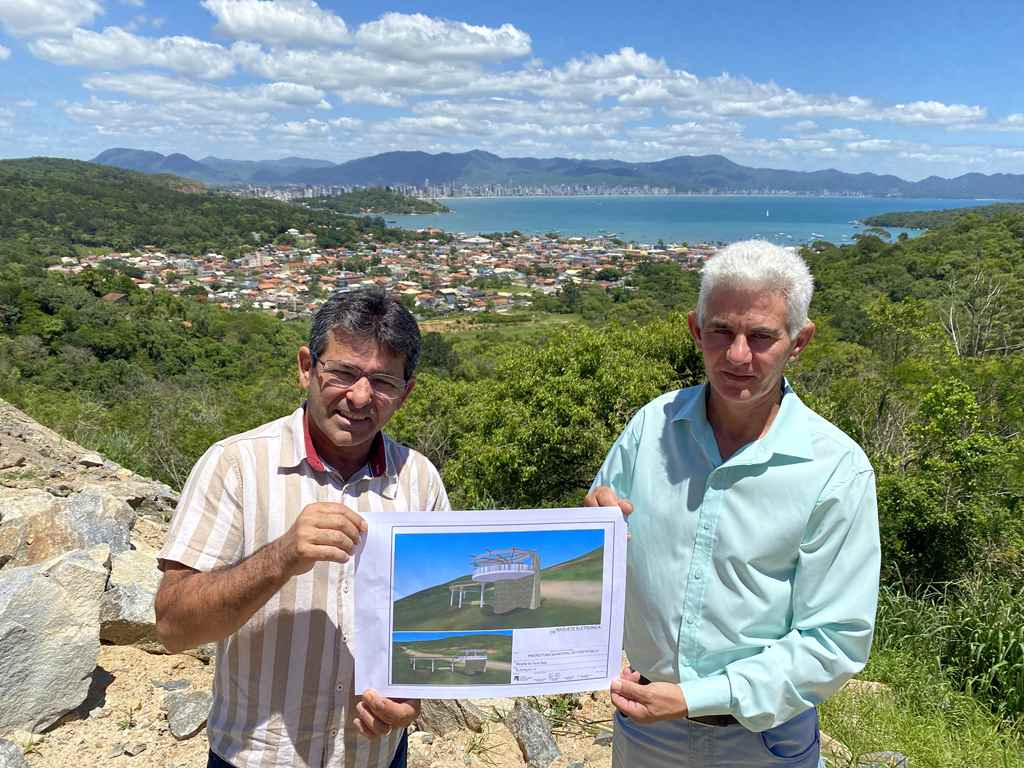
point(973, 628)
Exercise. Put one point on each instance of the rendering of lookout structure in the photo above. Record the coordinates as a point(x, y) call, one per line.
point(473, 661)
point(515, 574)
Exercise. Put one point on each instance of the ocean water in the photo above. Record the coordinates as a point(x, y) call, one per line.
point(684, 218)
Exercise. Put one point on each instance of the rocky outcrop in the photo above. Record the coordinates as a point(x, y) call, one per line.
point(37, 460)
point(126, 610)
point(36, 526)
point(49, 636)
point(73, 567)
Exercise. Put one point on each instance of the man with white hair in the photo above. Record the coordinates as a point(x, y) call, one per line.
point(753, 562)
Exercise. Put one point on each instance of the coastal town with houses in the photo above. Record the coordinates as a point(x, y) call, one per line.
point(436, 275)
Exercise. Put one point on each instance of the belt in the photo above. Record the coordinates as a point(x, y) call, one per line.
point(716, 721)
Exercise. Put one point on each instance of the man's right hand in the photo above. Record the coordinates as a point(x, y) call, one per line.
point(322, 531)
point(603, 496)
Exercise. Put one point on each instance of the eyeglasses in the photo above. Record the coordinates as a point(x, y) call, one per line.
point(343, 376)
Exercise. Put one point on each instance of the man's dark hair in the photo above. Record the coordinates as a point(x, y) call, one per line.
point(368, 314)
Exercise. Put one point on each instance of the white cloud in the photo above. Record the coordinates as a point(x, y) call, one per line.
point(178, 123)
point(622, 63)
point(415, 37)
point(296, 22)
point(365, 94)
point(25, 104)
point(23, 18)
point(934, 113)
point(258, 98)
point(871, 145)
point(5, 53)
point(846, 134)
point(349, 70)
point(315, 128)
point(1014, 122)
point(115, 48)
point(135, 3)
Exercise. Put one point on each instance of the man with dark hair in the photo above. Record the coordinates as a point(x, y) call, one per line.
point(258, 557)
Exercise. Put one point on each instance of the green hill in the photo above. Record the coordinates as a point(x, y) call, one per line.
point(573, 598)
point(583, 568)
point(376, 200)
point(50, 208)
point(498, 670)
point(937, 219)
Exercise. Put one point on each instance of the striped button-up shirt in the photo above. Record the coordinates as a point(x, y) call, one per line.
point(751, 581)
point(283, 684)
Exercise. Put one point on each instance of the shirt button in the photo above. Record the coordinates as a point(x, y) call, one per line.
point(341, 686)
point(697, 575)
point(707, 526)
point(690, 620)
point(334, 731)
point(344, 587)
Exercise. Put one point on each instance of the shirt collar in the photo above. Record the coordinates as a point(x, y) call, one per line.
point(300, 448)
point(789, 434)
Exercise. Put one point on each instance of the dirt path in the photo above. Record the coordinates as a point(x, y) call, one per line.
point(582, 592)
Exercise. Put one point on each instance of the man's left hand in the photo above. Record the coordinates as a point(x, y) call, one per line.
point(379, 716)
point(647, 703)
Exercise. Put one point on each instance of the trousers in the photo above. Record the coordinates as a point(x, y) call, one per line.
point(400, 759)
point(689, 744)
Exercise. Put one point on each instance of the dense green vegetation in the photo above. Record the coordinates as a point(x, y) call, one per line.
point(917, 356)
point(376, 200)
point(50, 208)
point(936, 219)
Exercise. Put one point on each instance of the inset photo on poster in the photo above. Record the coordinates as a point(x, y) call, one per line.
point(497, 580)
point(451, 658)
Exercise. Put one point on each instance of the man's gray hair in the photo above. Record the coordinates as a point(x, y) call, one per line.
point(763, 266)
point(368, 314)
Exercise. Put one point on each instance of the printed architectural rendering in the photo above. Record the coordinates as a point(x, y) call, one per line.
point(515, 574)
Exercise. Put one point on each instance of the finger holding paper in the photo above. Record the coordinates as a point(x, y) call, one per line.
point(603, 496)
point(647, 703)
point(378, 715)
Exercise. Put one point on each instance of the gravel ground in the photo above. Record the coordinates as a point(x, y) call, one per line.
point(124, 714)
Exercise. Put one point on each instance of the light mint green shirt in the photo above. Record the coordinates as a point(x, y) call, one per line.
point(752, 582)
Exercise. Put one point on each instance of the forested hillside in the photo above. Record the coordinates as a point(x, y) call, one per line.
point(935, 219)
point(375, 200)
point(51, 208)
point(918, 356)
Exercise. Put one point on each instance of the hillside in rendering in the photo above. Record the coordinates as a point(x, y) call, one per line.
point(569, 594)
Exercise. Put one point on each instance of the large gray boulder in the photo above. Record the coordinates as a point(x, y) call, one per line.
point(49, 636)
point(126, 610)
point(36, 526)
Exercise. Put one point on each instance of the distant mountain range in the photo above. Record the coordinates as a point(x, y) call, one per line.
point(701, 174)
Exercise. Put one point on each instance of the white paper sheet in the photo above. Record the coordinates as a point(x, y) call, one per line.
point(479, 604)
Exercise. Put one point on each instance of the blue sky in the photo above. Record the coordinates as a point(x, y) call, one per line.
point(409, 637)
point(913, 88)
point(426, 559)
